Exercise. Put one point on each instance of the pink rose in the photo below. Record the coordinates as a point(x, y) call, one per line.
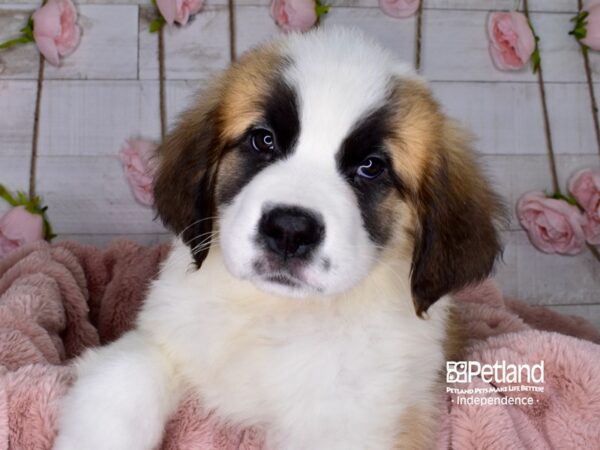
point(511, 40)
point(294, 15)
point(399, 8)
point(55, 30)
point(179, 10)
point(585, 187)
point(553, 226)
point(592, 27)
point(19, 227)
point(137, 157)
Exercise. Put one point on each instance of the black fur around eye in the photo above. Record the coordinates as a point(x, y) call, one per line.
point(371, 168)
point(262, 141)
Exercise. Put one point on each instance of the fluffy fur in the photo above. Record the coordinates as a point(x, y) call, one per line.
point(331, 349)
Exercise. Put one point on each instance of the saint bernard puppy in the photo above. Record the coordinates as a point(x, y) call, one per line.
point(326, 209)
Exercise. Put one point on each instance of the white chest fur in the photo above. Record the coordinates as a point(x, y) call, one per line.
point(320, 374)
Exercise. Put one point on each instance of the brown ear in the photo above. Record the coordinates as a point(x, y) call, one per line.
point(184, 188)
point(456, 241)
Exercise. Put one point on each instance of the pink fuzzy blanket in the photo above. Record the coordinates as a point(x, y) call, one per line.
point(56, 300)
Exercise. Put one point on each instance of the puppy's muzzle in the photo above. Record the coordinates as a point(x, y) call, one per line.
point(291, 231)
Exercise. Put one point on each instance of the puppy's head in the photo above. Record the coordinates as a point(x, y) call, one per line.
point(315, 156)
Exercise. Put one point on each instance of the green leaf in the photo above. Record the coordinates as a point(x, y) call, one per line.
point(536, 59)
point(16, 41)
point(7, 196)
point(321, 9)
point(579, 30)
point(157, 24)
point(567, 198)
point(25, 38)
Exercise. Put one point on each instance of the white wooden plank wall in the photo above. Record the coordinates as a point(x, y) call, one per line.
point(107, 91)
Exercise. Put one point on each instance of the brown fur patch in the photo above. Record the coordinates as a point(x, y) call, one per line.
point(248, 82)
point(190, 155)
point(455, 239)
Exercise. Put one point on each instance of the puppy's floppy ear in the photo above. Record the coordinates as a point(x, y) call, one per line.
point(456, 240)
point(184, 188)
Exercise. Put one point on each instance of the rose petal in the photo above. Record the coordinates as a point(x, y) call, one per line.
point(553, 226)
point(18, 227)
point(511, 40)
point(168, 9)
point(294, 15)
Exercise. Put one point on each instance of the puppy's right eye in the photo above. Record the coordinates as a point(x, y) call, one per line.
point(262, 141)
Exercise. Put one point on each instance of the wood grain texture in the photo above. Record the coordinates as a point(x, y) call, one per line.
point(19, 62)
point(544, 279)
point(17, 101)
point(468, 5)
point(104, 29)
point(14, 174)
point(89, 195)
point(108, 47)
point(455, 48)
point(93, 118)
point(513, 175)
point(193, 52)
point(560, 52)
point(506, 118)
point(397, 35)
point(104, 240)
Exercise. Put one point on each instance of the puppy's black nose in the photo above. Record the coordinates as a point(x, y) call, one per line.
point(291, 231)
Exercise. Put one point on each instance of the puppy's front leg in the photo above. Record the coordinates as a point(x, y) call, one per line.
point(121, 400)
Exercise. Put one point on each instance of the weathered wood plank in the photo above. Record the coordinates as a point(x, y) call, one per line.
point(560, 52)
point(96, 117)
point(465, 55)
point(105, 28)
point(545, 279)
point(571, 118)
point(455, 47)
point(513, 175)
point(506, 118)
point(195, 51)
point(108, 47)
point(14, 174)
point(263, 27)
point(397, 35)
point(20, 62)
point(103, 240)
point(488, 5)
point(17, 101)
point(90, 195)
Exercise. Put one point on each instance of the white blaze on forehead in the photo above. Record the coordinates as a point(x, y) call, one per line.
point(339, 75)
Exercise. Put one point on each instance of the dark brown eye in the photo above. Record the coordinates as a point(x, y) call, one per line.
point(371, 168)
point(262, 141)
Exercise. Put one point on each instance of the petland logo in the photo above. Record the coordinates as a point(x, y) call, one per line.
point(499, 372)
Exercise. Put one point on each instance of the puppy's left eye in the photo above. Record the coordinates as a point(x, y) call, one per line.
point(262, 141)
point(371, 168)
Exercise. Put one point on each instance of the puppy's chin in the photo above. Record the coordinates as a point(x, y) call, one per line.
point(276, 281)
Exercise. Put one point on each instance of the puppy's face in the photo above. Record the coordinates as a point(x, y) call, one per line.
point(315, 156)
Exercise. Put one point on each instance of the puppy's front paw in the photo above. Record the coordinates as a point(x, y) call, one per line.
point(96, 430)
point(120, 401)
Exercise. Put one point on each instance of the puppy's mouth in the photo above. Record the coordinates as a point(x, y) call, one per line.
point(283, 278)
